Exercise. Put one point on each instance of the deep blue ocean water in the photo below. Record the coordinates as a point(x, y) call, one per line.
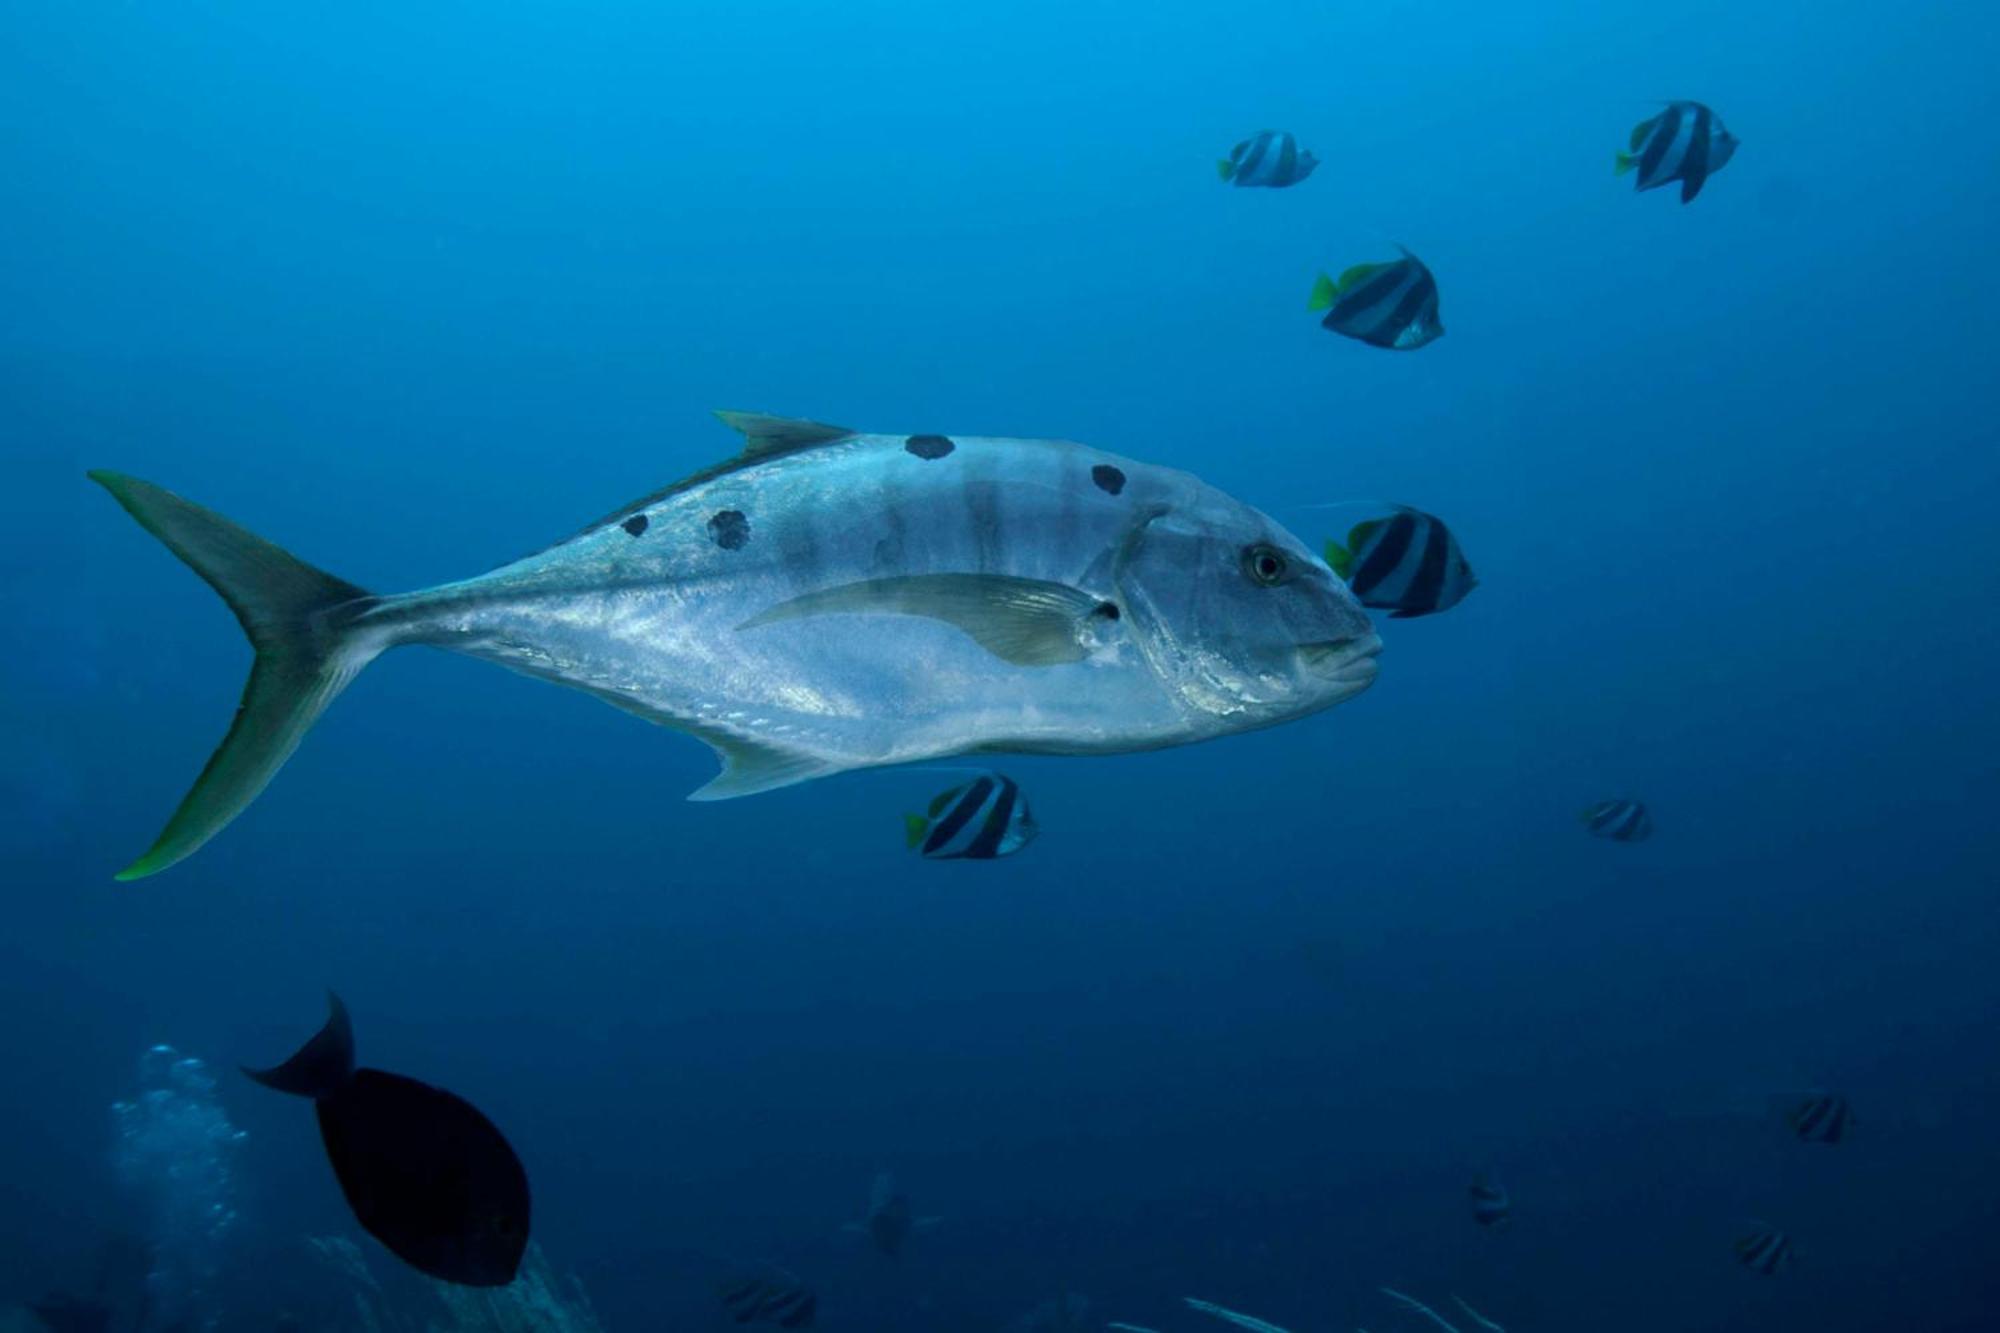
point(414, 289)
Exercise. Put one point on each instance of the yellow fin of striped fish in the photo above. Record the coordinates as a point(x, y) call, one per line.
point(1355, 276)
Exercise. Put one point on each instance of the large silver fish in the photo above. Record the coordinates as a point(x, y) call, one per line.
point(829, 600)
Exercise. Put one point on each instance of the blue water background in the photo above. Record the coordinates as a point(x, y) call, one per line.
point(414, 289)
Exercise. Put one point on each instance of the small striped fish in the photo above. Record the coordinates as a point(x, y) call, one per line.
point(771, 1297)
point(1821, 1117)
point(1764, 1249)
point(1408, 564)
point(1620, 821)
point(982, 820)
point(1490, 1204)
point(1268, 157)
point(1684, 143)
point(1392, 305)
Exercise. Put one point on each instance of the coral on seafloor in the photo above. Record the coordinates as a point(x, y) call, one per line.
point(538, 1300)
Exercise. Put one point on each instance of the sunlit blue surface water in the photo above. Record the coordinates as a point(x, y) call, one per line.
point(412, 290)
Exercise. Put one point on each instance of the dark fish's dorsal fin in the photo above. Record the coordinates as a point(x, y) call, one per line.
point(776, 435)
point(323, 1065)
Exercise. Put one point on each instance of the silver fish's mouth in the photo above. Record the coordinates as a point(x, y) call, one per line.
point(1346, 662)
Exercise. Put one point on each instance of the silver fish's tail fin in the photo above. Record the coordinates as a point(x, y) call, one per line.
point(299, 621)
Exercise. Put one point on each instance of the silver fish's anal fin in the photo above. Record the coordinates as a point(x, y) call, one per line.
point(299, 620)
point(774, 435)
point(749, 767)
point(1028, 622)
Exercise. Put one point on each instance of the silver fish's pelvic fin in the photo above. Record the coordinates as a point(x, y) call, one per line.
point(1028, 622)
point(298, 619)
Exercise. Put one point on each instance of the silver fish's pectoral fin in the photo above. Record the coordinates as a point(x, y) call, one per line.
point(1028, 622)
point(771, 435)
point(749, 767)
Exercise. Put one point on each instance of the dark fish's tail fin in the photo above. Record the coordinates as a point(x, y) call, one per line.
point(1225, 168)
point(298, 620)
point(1622, 163)
point(914, 828)
point(320, 1067)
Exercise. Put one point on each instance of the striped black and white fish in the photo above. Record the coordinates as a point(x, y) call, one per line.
point(981, 820)
point(1820, 1117)
point(1685, 143)
point(1620, 821)
point(1764, 1249)
point(1490, 1204)
point(1392, 305)
point(1268, 157)
point(768, 1296)
point(1407, 564)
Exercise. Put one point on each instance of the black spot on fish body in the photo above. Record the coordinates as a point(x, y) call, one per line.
point(1108, 478)
point(1107, 610)
point(730, 529)
point(636, 525)
point(929, 446)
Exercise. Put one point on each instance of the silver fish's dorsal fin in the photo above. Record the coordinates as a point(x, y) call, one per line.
point(775, 435)
point(764, 437)
point(1028, 622)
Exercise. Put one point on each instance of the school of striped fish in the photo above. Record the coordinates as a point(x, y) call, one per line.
point(833, 599)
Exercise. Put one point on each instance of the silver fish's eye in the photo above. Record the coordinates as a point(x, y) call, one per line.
point(1265, 565)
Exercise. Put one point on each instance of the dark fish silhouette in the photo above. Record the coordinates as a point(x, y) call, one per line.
point(1407, 564)
point(1821, 1117)
point(1764, 1249)
point(425, 1173)
point(64, 1313)
point(770, 1296)
point(1685, 143)
point(890, 1220)
point(1268, 157)
point(1619, 820)
point(980, 821)
point(1490, 1204)
point(1392, 305)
